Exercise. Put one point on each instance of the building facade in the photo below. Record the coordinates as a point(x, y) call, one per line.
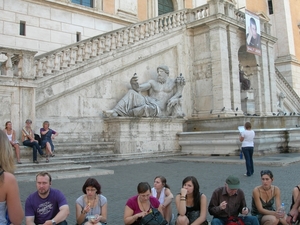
point(87, 51)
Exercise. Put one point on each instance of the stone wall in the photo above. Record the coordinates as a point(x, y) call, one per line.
point(50, 26)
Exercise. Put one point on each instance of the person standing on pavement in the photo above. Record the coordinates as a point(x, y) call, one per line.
point(47, 205)
point(10, 203)
point(247, 139)
point(228, 201)
point(264, 198)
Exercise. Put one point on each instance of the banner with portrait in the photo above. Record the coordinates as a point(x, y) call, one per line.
point(252, 33)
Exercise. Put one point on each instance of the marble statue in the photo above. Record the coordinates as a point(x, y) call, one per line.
point(280, 108)
point(163, 99)
point(245, 83)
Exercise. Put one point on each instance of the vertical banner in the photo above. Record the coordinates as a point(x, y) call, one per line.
point(252, 33)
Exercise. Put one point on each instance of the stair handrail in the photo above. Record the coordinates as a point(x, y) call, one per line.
point(281, 79)
point(74, 54)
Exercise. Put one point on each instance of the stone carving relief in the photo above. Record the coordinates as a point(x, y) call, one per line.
point(163, 99)
point(245, 82)
point(280, 108)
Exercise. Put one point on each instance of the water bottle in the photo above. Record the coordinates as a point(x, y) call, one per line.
point(281, 210)
point(241, 155)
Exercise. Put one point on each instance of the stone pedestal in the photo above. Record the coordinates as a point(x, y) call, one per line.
point(143, 135)
point(247, 101)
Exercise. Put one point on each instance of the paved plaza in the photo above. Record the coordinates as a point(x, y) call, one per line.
point(211, 174)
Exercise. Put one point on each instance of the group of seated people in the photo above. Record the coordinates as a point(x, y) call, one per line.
point(226, 203)
point(30, 139)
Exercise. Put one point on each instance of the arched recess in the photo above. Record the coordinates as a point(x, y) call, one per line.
point(250, 101)
point(152, 7)
point(246, 59)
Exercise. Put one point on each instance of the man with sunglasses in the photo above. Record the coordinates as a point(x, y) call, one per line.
point(228, 202)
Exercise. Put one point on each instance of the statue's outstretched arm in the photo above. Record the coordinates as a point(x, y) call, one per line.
point(139, 87)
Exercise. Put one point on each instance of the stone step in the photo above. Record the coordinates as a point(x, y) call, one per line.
point(82, 165)
point(74, 148)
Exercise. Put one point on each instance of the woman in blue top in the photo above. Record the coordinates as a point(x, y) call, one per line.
point(47, 135)
point(247, 137)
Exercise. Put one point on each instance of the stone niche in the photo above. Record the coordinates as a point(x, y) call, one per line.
point(143, 135)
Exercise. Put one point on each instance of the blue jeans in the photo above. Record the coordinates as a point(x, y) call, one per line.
point(35, 147)
point(248, 220)
point(248, 153)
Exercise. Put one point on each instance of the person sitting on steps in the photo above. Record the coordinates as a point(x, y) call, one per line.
point(28, 140)
point(47, 135)
point(11, 135)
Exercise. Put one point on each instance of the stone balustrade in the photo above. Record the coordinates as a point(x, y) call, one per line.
point(16, 63)
point(63, 58)
point(200, 12)
point(284, 86)
point(72, 55)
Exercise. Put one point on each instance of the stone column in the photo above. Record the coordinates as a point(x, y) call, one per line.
point(272, 76)
point(234, 68)
point(220, 67)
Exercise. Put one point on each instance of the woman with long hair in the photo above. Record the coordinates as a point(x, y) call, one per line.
point(266, 201)
point(10, 203)
point(191, 204)
point(11, 135)
point(162, 192)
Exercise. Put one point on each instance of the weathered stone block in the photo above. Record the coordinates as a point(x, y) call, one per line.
point(144, 135)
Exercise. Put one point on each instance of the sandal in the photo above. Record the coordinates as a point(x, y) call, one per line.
point(47, 160)
point(52, 155)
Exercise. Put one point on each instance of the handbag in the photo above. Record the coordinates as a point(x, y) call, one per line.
point(234, 220)
point(153, 218)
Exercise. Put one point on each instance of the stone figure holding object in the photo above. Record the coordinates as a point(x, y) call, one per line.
point(245, 83)
point(163, 99)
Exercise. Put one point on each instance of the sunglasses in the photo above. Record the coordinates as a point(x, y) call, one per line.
point(264, 172)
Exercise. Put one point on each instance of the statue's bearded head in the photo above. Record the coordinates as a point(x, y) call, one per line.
point(162, 74)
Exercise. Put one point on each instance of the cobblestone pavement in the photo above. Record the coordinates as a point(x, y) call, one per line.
point(122, 184)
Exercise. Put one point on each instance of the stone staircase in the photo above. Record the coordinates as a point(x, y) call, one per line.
point(73, 160)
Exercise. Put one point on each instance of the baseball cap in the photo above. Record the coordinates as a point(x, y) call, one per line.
point(233, 182)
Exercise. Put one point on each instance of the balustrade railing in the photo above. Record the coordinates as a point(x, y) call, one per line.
point(66, 57)
point(16, 63)
point(288, 90)
point(74, 54)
